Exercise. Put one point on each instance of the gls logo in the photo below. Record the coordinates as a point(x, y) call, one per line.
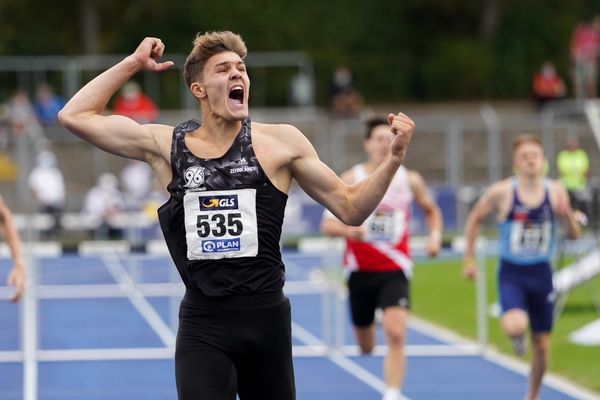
point(214, 203)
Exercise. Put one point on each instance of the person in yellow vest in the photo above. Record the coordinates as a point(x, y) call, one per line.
point(573, 165)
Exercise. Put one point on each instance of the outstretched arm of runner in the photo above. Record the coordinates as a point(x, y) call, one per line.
point(433, 214)
point(482, 208)
point(83, 114)
point(351, 204)
point(331, 226)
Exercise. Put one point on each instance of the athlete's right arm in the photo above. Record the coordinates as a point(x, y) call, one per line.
point(487, 203)
point(83, 114)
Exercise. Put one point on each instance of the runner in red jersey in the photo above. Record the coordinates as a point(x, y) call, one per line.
point(377, 255)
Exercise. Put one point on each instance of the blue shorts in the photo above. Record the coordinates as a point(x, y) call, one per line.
point(528, 288)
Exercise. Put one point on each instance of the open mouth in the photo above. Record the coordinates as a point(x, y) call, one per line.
point(236, 93)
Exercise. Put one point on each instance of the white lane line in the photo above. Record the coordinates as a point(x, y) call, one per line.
point(365, 376)
point(421, 350)
point(11, 356)
point(551, 380)
point(110, 290)
point(138, 300)
point(117, 354)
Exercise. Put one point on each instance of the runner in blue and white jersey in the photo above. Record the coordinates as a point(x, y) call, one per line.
point(529, 207)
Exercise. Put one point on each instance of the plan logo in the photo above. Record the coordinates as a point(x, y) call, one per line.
point(220, 246)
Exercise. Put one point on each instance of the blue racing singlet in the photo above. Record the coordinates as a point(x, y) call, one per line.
point(528, 235)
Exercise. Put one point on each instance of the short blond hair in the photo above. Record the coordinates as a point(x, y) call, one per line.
point(207, 45)
point(525, 138)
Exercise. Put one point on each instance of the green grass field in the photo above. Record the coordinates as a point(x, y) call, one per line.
point(441, 295)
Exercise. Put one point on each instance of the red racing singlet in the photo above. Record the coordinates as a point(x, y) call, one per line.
point(385, 245)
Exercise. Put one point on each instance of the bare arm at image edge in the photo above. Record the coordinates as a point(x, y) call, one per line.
point(16, 276)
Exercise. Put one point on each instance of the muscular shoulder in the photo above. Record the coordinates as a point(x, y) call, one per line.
point(162, 134)
point(557, 191)
point(277, 132)
point(555, 185)
point(279, 140)
point(159, 158)
point(418, 187)
point(501, 188)
point(415, 180)
point(498, 193)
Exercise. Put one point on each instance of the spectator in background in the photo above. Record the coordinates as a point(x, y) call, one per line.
point(547, 85)
point(573, 166)
point(346, 101)
point(47, 104)
point(48, 186)
point(16, 276)
point(102, 202)
point(23, 121)
point(585, 47)
point(301, 90)
point(136, 180)
point(8, 168)
point(133, 103)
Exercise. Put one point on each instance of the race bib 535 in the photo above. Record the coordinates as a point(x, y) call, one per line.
point(220, 224)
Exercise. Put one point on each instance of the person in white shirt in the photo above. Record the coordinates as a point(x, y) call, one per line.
point(136, 180)
point(102, 202)
point(48, 186)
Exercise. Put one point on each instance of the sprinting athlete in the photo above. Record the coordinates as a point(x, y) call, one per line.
point(528, 207)
point(377, 254)
point(228, 179)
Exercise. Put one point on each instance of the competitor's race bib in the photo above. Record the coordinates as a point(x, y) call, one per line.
point(385, 226)
point(220, 224)
point(530, 238)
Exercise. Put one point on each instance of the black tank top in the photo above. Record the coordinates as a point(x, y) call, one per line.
point(222, 223)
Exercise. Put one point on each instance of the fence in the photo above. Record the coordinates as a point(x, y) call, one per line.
point(458, 149)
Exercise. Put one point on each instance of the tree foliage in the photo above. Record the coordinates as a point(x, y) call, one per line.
point(397, 50)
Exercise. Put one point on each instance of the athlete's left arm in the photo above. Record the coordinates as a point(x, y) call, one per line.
point(351, 204)
point(433, 214)
point(562, 209)
point(331, 226)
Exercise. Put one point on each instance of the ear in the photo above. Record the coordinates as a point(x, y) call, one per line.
point(198, 90)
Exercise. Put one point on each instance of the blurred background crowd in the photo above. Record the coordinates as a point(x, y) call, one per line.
point(473, 76)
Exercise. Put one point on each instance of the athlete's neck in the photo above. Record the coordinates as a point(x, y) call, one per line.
point(529, 183)
point(219, 129)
